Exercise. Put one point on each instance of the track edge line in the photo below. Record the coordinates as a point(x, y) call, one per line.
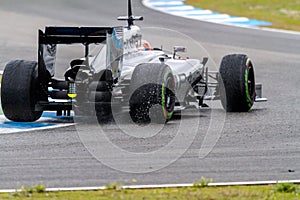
point(156, 186)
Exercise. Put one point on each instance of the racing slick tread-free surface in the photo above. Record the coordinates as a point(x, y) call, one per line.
point(94, 99)
point(103, 106)
point(103, 96)
point(20, 91)
point(237, 84)
point(149, 100)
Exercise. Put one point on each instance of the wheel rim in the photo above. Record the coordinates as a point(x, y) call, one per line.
point(249, 83)
point(168, 97)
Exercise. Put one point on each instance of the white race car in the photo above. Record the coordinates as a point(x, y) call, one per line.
point(124, 72)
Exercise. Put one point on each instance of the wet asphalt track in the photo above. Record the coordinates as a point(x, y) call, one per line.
point(263, 144)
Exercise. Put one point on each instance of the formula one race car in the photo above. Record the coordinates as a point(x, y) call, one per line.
point(124, 71)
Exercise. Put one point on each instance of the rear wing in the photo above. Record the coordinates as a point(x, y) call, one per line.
point(72, 35)
point(53, 36)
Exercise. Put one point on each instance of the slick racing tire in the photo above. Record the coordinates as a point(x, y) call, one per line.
point(20, 91)
point(237, 84)
point(102, 96)
point(94, 98)
point(103, 106)
point(152, 94)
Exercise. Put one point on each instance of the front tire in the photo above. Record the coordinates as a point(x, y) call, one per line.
point(20, 91)
point(237, 83)
point(152, 93)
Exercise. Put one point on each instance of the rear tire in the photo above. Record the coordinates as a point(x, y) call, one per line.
point(102, 96)
point(20, 91)
point(103, 105)
point(152, 93)
point(94, 99)
point(237, 84)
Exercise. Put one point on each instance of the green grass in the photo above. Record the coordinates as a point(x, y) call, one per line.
point(283, 14)
point(270, 192)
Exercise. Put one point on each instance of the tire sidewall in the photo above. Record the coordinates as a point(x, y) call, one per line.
point(20, 91)
point(236, 93)
point(149, 86)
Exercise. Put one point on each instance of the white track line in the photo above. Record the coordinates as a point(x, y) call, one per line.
point(177, 8)
point(5, 131)
point(278, 30)
point(190, 13)
point(169, 3)
point(161, 186)
point(211, 17)
point(238, 19)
